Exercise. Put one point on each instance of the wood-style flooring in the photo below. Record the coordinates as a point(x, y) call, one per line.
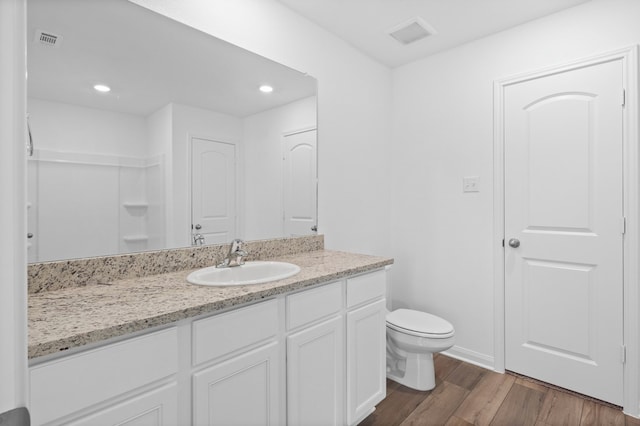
point(469, 395)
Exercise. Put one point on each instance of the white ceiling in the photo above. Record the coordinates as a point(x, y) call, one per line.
point(364, 23)
point(149, 61)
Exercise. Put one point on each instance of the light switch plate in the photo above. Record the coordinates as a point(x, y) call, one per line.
point(471, 184)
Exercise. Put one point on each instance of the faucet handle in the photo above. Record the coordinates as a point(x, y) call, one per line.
point(198, 239)
point(236, 245)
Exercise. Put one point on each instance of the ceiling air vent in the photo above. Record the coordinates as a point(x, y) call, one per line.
point(47, 38)
point(411, 31)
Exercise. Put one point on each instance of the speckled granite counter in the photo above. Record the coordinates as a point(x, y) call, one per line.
point(63, 319)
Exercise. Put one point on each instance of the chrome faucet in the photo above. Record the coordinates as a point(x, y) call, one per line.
point(198, 239)
point(236, 255)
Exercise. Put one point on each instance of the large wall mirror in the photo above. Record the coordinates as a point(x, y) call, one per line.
point(184, 149)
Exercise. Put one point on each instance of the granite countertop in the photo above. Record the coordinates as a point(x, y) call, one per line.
point(63, 319)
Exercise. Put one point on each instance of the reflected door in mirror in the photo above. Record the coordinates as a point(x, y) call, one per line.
point(213, 191)
point(300, 183)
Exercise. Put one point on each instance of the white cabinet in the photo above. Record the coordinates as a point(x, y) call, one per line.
point(77, 382)
point(241, 391)
point(315, 375)
point(156, 408)
point(238, 330)
point(366, 344)
point(314, 357)
point(366, 360)
point(240, 384)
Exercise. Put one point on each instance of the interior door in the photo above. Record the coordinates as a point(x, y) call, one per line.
point(213, 191)
point(564, 229)
point(300, 183)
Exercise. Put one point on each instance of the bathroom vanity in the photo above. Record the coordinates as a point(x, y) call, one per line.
point(309, 349)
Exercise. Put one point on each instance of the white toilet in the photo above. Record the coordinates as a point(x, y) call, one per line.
point(412, 338)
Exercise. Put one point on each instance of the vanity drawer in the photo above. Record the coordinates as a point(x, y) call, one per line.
point(61, 387)
point(366, 287)
point(311, 305)
point(241, 328)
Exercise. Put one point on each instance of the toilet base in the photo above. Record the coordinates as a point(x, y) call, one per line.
point(419, 373)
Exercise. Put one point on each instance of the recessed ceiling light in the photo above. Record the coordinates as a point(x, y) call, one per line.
point(102, 88)
point(265, 88)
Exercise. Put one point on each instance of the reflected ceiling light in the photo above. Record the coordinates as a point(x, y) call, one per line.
point(102, 88)
point(265, 88)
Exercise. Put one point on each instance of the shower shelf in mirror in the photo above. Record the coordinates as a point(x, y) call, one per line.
point(140, 205)
point(135, 238)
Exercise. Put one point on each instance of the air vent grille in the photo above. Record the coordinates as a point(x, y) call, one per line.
point(411, 31)
point(48, 38)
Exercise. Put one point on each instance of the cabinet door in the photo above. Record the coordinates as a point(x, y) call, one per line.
point(63, 386)
point(242, 391)
point(155, 408)
point(315, 375)
point(366, 360)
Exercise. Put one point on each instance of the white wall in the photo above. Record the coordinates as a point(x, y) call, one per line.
point(442, 122)
point(73, 128)
point(13, 223)
point(262, 144)
point(354, 99)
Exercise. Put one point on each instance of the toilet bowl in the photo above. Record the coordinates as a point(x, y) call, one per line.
point(412, 339)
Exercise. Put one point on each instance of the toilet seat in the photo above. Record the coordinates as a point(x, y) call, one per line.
point(420, 324)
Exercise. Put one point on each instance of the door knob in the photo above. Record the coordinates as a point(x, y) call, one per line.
point(514, 242)
point(198, 226)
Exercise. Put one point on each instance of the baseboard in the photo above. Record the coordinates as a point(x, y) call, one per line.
point(472, 357)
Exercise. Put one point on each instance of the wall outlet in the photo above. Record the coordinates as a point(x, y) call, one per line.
point(470, 184)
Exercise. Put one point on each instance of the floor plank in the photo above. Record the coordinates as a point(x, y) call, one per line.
point(391, 386)
point(443, 366)
point(521, 407)
point(560, 408)
point(594, 414)
point(457, 421)
point(485, 399)
point(469, 395)
point(438, 406)
point(396, 407)
point(532, 384)
point(466, 375)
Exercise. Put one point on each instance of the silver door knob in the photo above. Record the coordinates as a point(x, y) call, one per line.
point(198, 226)
point(514, 242)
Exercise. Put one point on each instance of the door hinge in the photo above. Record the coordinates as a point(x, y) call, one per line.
point(624, 225)
point(624, 97)
point(503, 242)
point(623, 354)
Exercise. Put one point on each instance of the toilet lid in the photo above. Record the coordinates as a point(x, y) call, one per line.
point(418, 322)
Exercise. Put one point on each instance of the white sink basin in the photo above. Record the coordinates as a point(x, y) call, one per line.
point(250, 273)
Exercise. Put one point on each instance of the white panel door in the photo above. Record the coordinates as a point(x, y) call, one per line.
point(300, 183)
point(563, 204)
point(213, 190)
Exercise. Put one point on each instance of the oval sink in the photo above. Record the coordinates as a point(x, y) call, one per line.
point(250, 273)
